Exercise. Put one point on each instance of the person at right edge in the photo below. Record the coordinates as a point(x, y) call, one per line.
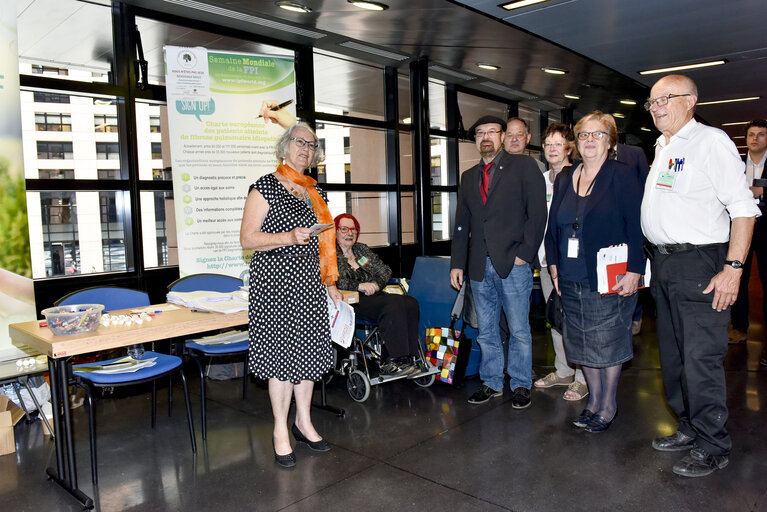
point(499, 224)
point(756, 140)
point(696, 186)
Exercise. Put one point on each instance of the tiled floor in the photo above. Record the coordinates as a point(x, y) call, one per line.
point(409, 448)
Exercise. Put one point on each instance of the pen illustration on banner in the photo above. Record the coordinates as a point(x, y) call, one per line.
point(277, 107)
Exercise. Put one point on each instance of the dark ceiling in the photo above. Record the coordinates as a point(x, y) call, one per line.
point(601, 43)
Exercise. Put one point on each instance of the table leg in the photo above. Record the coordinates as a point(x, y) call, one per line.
point(324, 402)
point(66, 466)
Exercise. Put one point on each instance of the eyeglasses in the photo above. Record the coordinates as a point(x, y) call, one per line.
point(551, 145)
point(303, 142)
point(596, 135)
point(489, 133)
point(661, 100)
point(344, 230)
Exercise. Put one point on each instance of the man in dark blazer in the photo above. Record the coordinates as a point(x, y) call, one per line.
point(499, 224)
point(635, 158)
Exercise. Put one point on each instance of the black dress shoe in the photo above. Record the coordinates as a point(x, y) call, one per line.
point(286, 461)
point(317, 446)
point(700, 463)
point(520, 398)
point(676, 442)
point(584, 418)
point(599, 423)
point(484, 394)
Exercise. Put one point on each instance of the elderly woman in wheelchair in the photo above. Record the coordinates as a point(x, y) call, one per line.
point(396, 315)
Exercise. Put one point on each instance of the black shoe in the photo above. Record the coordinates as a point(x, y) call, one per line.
point(484, 394)
point(317, 446)
point(584, 418)
point(391, 369)
point(677, 442)
point(599, 423)
point(520, 398)
point(286, 461)
point(700, 463)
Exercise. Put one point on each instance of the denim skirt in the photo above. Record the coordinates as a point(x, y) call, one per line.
point(597, 328)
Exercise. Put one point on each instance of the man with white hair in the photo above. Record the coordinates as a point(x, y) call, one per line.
point(698, 214)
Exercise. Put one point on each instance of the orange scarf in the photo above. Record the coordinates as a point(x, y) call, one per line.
point(327, 238)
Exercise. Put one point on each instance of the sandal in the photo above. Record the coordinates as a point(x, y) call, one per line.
point(551, 380)
point(576, 391)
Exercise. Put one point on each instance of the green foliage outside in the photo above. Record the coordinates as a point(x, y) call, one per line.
point(14, 233)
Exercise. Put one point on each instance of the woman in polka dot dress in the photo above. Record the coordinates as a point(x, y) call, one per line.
point(291, 275)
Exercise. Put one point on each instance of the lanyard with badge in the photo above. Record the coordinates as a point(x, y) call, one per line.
point(573, 242)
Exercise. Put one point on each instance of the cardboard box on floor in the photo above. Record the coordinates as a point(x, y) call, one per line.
point(10, 414)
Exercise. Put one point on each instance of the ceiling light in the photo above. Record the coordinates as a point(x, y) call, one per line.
point(645, 129)
point(682, 68)
point(738, 137)
point(572, 96)
point(517, 4)
point(618, 115)
point(628, 102)
point(293, 7)
point(489, 67)
point(554, 71)
point(369, 5)
point(741, 147)
point(733, 100)
point(407, 120)
point(735, 124)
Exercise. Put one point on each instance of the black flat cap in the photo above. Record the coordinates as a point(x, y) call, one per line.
point(485, 120)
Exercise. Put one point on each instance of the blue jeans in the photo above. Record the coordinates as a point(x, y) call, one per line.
point(513, 294)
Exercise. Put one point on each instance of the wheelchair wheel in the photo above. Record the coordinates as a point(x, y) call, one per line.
point(358, 386)
point(425, 382)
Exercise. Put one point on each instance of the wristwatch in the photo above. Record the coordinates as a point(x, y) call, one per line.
point(734, 263)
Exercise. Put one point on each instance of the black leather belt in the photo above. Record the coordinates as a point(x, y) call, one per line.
point(677, 248)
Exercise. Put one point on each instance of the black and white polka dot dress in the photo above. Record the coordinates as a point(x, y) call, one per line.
point(288, 311)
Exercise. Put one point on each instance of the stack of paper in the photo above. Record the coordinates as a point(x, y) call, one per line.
point(341, 323)
point(224, 338)
point(612, 263)
point(231, 302)
point(124, 365)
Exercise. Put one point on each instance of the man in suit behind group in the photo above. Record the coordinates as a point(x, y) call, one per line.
point(499, 224)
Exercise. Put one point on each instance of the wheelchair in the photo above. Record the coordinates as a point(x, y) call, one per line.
point(361, 364)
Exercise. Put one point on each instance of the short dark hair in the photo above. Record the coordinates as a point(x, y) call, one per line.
point(527, 128)
point(758, 123)
point(565, 131)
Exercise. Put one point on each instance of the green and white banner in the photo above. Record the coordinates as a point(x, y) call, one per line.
point(220, 146)
point(17, 295)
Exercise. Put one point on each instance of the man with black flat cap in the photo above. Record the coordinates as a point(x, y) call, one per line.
point(499, 224)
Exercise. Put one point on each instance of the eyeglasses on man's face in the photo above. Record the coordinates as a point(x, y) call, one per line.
point(661, 100)
point(552, 145)
point(595, 135)
point(489, 133)
point(301, 142)
point(344, 230)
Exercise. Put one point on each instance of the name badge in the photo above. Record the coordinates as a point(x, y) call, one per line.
point(666, 181)
point(572, 247)
point(362, 261)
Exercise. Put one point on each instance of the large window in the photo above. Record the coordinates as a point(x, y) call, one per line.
point(49, 122)
point(49, 150)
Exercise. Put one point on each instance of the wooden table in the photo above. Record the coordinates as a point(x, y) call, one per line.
point(60, 349)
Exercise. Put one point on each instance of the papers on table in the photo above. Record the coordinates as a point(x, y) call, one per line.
point(341, 323)
point(231, 302)
point(224, 338)
point(124, 365)
point(318, 228)
point(611, 267)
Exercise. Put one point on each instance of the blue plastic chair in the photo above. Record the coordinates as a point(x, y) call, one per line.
point(114, 298)
point(211, 283)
